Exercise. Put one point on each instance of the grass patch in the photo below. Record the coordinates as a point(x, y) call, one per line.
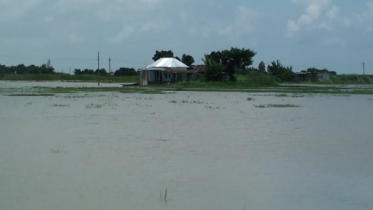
point(260, 106)
point(282, 106)
point(60, 105)
point(277, 106)
point(282, 95)
point(298, 96)
point(142, 91)
point(32, 94)
point(186, 102)
point(93, 106)
point(67, 77)
point(213, 107)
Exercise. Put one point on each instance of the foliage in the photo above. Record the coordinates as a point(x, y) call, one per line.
point(126, 72)
point(316, 70)
point(102, 72)
point(22, 69)
point(351, 79)
point(257, 78)
point(234, 60)
point(163, 54)
point(67, 77)
point(214, 70)
point(277, 70)
point(187, 60)
point(262, 67)
point(85, 71)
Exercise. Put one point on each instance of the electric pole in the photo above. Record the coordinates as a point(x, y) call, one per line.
point(363, 68)
point(98, 68)
point(109, 66)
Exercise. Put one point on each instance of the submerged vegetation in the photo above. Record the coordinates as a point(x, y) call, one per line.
point(277, 106)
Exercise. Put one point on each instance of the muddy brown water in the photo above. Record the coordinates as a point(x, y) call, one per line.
point(212, 151)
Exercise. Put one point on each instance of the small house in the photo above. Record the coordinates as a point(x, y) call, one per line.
point(164, 70)
point(323, 75)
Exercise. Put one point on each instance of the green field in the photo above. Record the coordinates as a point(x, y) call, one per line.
point(67, 77)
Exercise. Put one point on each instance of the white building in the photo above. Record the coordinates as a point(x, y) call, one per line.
point(164, 70)
point(323, 76)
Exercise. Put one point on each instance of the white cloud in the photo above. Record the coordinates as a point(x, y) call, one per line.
point(314, 12)
point(243, 22)
point(245, 18)
point(155, 26)
point(17, 9)
point(73, 38)
point(126, 31)
point(183, 17)
point(333, 13)
point(323, 14)
point(226, 31)
point(49, 19)
point(362, 20)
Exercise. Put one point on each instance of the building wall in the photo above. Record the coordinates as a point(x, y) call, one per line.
point(323, 76)
point(154, 77)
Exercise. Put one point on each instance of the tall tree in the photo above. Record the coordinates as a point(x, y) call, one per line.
point(187, 60)
point(281, 72)
point(214, 69)
point(234, 60)
point(125, 72)
point(262, 67)
point(162, 54)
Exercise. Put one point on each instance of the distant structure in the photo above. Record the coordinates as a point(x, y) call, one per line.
point(321, 75)
point(163, 71)
point(48, 65)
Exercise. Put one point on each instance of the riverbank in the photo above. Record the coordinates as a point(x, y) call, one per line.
point(8, 87)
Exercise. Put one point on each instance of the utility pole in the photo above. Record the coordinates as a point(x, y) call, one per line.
point(70, 70)
point(98, 68)
point(363, 68)
point(109, 66)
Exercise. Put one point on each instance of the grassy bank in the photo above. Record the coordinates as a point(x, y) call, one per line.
point(281, 91)
point(252, 80)
point(346, 79)
point(351, 79)
point(67, 77)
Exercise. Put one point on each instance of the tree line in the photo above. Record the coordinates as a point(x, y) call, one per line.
point(22, 69)
point(123, 71)
point(224, 65)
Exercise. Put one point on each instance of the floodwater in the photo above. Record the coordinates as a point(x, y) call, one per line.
point(94, 151)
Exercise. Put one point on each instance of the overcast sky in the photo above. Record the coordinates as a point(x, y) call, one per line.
point(333, 34)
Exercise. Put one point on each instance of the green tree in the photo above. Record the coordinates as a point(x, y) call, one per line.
point(262, 67)
point(214, 70)
point(101, 72)
point(234, 60)
point(77, 72)
point(187, 60)
point(163, 54)
point(125, 72)
point(281, 72)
